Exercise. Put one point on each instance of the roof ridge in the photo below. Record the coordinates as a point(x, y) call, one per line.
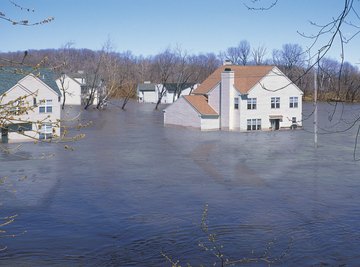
point(245, 77)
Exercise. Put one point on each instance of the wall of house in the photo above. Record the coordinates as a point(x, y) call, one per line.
point(72, 90)
point(273, 81)
point(214, 98)
point(182, 113)
point(236, 112)
point(168, 98)
point(210, 123)
point(32, 87)
point(149, 97)
point(186, 91)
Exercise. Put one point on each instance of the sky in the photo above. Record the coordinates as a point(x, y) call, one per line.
point(148, 27)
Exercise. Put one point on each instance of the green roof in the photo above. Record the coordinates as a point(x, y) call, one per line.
point(10, 76)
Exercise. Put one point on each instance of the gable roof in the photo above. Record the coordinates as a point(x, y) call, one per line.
point(146, 87)
point(245, 78)
point(200, 104)
point(10, 76)
point(171, 87)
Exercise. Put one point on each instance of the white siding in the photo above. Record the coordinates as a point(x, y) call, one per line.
point(168, 98)
point(264, 110)
point(72, 90)
point(236, 112)
point(182, 113)
point(210, 123)
point(149, 97)
point(214, 98)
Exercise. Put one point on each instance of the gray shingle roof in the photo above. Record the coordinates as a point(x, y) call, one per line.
point(9, 76)
point(171, 87)
point(146, 87)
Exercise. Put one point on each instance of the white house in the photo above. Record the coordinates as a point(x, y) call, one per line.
point(71, 88)
point(150, 92)
point(75, 89)
point(147, 92)
point(244, 98)
point(29, 104)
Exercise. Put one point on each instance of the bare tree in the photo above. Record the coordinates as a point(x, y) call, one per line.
point(62, 68)
point(290, 59)
point(182, 72)
point(128, 78)
point(203, 65)
point(93, 80)
point(258, 55)
point(162, 69)
point(238, 55)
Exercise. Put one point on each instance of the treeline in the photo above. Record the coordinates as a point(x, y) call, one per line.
point(121, 72)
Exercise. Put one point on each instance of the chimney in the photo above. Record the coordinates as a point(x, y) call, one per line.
point(227, 62)
point(227, 99)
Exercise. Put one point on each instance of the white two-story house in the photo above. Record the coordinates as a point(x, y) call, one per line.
point(240, 98)
point(29, 104)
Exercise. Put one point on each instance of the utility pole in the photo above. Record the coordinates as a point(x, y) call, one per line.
point(315, 109)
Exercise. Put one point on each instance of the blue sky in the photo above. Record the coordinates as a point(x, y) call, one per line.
point(147, 27)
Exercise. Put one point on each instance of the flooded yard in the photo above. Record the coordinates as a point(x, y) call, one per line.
point(133, 189)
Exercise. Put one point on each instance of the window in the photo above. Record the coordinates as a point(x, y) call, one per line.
point(275, 102)
point(253, 124)
point(293, 120)
point(34, 101)
point(45, 106)
point(45, 131)
point(236, 103)
point(251, 103)
point(294, 102)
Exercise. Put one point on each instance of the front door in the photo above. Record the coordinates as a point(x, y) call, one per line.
point(4, 135)
point(275, 124)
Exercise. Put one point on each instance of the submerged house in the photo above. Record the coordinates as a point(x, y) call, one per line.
point(150, 92)
point(75, 89)
point(240, 98)
point(29, 104)
point(70, 88)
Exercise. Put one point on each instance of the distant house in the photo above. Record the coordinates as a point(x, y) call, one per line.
point(29, 104)
point(147, 92)
point(70, 88)
point(150, 92)
point(77, 92)
point(242, 98)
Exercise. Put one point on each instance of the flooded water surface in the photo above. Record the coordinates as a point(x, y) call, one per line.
point(133, 190)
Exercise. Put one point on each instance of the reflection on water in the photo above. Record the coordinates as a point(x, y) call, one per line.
point(133, 188)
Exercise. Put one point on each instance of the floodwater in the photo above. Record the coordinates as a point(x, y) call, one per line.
point(134, 189)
